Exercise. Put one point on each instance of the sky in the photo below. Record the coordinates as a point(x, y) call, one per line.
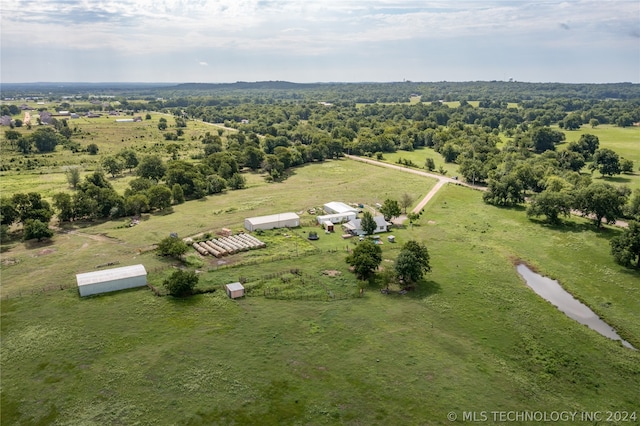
point(220, 41)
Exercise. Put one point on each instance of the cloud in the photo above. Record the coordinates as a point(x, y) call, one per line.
point(303, 31)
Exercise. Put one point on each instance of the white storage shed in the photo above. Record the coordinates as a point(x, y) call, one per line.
point(280, 220)
point(114, 279)
point(234, 290)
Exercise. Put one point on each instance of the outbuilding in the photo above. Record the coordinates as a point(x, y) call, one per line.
point(109, 280)
point(337, 207)
point(336, 217)
point(280, 220)
point(234, 290)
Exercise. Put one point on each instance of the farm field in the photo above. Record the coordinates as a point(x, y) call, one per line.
point(624, 141)
point(45, 173)
point(131, 357)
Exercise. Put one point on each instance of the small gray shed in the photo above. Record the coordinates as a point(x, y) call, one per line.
point(114, 279)
point(234, 290)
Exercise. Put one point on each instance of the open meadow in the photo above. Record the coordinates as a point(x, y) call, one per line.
point(471, 337)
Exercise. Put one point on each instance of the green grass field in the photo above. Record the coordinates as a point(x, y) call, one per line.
point(624, 141)
point(472, 338)
point(45, 173)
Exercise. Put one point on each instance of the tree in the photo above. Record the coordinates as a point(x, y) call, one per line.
point(177, 193)
point(472, 170)
point(24, 145)
point(33, 228)
point(504, 191)
point(594, 123)
point(8, 211)
point(390, 209)
point(159, 197)
point(429, 164)
point(601, 200)
point(626, 166)
point(181, 283)
point(253, 157)
point(129, 158)
point(551, 204)
point(92, 149)
point(237, 181)
point(406, 201)
point(73, 176)
point(162, 124)
point(367, 223)
point(63, 203)
point(151, 167)
point(112, 165)
point(172, 246)
point(136, 204)
point(32, 206)
point(365, 258)
point(544, 138)
point(606, 161)
point(412, 262)
point(632, 209)
point(45, 139)
point(625, 248)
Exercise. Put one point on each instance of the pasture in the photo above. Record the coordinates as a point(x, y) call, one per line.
point(471, 337)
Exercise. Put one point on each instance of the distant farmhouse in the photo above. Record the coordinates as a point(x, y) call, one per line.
point(354, 226)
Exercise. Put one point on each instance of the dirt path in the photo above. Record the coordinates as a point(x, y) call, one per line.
point(442, 180)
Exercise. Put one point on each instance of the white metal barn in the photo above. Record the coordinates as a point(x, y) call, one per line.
point(111, 280)
point(280, 220)
point(234, 290)
point(338, 207)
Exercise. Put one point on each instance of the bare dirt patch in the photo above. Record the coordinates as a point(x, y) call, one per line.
point(331, 272)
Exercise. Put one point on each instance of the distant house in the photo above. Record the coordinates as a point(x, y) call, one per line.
point(137, 119)
point(354, 227)
point(63, 113)
point(74, 115)
point(46, 117)
point(244, 121)
point(124, 120)
point(5, 120)
point(26, 107)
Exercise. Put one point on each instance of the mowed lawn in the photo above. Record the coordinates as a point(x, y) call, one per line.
point(472, 338)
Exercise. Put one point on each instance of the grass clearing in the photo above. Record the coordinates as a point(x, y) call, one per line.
point(131, 357)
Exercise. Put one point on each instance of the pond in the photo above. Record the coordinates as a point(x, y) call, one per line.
point(553, 292)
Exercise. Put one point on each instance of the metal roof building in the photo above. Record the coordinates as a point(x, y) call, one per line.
point(338, 207)
point(280, 220)
point(108, 280)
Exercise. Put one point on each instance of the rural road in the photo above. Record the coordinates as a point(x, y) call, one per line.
point(442, 180)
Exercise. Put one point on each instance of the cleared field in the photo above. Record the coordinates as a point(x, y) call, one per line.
point(625, 141)
point(45, 173)
point(473, 325)
point(309, 186)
